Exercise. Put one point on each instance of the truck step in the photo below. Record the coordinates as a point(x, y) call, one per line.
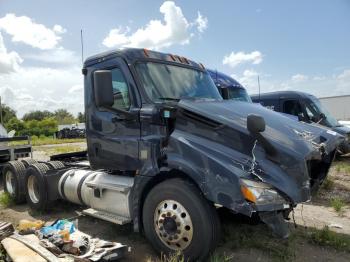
point(107, 216)
point(110, 186)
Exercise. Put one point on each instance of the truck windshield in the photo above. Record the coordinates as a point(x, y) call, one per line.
point(314, 109)
point(171, 82)
point(239, 94)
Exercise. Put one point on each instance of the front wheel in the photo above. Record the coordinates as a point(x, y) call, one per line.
point(176, 217)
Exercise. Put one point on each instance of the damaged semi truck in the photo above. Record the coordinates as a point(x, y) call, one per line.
point(165, 150)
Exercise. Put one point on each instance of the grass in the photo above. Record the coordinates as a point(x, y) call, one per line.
point(5, 199)
point(326, 237)
point(343, 167)
point(176, 257)
point(50, 141)
point(259, 237)
point(328, 184)
point(220, 258)
point(61, 149)
point(2, 254)
point(338, 204)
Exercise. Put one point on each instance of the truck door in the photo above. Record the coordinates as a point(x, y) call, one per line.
point(114, 133)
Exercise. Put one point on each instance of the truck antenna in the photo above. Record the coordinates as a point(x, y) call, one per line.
point(0, 111)
point(259, 87)
point(82, 46)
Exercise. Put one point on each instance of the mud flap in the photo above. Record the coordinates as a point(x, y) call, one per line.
point(276, 222)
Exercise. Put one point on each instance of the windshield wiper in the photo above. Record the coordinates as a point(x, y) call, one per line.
point(169, 98)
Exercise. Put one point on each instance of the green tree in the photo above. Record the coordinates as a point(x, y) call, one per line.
point(37, 115)
point(48, 126)
point(7, 113)
point(81, 117)
point(15, 124)
point(63, 117)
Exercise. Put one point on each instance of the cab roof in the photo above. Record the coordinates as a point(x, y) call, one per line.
point(280, 94)
point(223, 80)
point(133, 54)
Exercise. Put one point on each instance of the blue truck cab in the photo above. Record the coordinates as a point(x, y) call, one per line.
point(228, 87)
point(305, 107)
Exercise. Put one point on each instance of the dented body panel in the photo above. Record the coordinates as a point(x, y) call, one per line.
point(219, 150)
point(203, 140)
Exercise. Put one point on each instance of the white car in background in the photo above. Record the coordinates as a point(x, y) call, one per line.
point(344, 123)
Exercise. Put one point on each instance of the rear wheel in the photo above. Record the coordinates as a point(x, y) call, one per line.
point(55, 164)
point(13, 179)
point(28, 161)
point(176, 217)
point(36, 193)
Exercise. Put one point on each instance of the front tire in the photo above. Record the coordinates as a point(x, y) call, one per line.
point(176, 217)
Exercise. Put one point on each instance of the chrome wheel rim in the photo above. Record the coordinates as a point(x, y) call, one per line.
point(9, 182)
point(33, 190)
point(173, 225)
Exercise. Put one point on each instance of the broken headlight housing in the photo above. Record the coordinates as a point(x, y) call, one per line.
point(260, 193)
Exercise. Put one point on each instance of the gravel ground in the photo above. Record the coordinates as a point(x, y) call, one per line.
point(314, 214)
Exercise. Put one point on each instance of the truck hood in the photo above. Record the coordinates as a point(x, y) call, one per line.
point(343, 130)
point(299, 161)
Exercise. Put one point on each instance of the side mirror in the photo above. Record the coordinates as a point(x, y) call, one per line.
point(255, 123)
point(224, 93)
point(300, 117)
point(322, 116)
point(103, 88)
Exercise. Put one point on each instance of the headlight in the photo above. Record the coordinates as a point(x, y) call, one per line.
point(260, 193)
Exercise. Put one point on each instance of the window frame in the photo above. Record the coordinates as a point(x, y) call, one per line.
point(139, 81)
point(110, 108)
point(127, 85)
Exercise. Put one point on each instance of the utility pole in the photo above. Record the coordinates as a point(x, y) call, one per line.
point(259, 87)
point(1, 112)
point(82, 46)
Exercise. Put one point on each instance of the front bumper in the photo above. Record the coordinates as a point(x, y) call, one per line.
point(276, 222)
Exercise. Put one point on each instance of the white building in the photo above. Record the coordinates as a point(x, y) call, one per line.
point(338, 106)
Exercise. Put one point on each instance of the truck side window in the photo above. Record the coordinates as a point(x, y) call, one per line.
point(292, 107)
point(120, 90)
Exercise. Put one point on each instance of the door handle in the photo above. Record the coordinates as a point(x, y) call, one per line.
point(118, 118)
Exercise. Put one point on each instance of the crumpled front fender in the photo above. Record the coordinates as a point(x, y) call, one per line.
point(211, 166)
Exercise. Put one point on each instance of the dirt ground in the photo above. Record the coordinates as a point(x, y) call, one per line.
point(236, 230)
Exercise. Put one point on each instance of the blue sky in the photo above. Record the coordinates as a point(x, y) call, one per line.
point(294, 45)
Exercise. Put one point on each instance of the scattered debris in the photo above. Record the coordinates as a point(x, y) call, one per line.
point(335, 226)
point(27, 227)
point(60, 241)
point(6, 229)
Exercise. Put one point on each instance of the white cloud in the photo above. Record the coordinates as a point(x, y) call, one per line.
point(24, 30)
point(201, 22)
point(9, 61)
point(249, 79)
point(319, 85)
point(26, 88)
point(117, 37)
point(234, 59)
point(299, 78)
point(57, 56)
point(39, 88)
point(76, 89)
point(319, 78)
point(157, 34)
point(59, 29)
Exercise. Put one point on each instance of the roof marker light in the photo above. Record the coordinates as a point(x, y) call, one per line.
point(146, 52)
point(185, 60)
point(172, 57)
